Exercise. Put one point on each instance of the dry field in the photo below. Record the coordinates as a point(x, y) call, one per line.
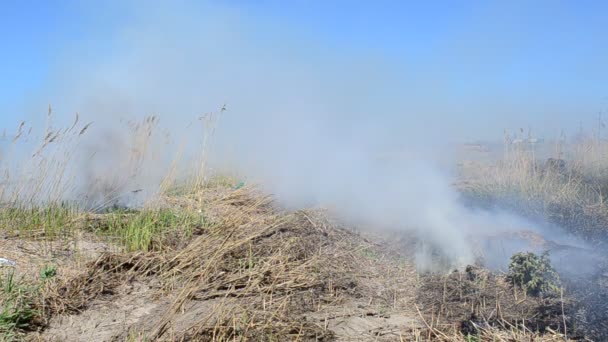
point(212, 259)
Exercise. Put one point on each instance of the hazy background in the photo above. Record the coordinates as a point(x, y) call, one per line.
point(315, 91)
point(476, 67)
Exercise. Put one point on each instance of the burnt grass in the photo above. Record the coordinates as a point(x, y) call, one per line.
point(477, 299)
point(586, 312)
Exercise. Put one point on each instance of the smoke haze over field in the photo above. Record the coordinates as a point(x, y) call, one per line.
point(309, 118)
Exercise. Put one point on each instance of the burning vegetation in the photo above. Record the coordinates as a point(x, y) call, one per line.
point(211, 258)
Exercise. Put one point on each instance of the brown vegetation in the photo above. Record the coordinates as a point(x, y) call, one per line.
point(211, 260)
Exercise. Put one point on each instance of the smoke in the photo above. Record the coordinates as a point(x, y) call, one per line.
point(356, 132)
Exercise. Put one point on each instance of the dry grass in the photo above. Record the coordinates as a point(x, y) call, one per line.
point(279, 266)
point(574, 198)
point(520, 174)
point(263, 270)
point(255, 272)
point(222, 262)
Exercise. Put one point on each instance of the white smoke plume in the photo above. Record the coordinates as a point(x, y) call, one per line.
point(354, 132)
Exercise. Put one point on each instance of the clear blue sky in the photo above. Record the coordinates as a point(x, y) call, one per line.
point(33, 34)
point(540, 55)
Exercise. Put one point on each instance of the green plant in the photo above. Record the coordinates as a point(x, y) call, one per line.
point(48, 272)
point(16, 306)
point(533, 273)
point(52, 221)
point(135, 336)
point(145, 230)
point(472, 338)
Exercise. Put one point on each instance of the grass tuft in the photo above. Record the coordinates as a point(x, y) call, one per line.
point(17, 309)
point(148, 230)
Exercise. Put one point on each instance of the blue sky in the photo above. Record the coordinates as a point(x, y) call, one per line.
point(499, 64)
point(34, 34)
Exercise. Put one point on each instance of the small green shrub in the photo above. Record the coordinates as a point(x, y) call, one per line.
point(533, 273)
point(48, 272)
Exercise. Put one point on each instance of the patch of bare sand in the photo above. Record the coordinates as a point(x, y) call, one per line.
point(30, 256)
point(108, 318)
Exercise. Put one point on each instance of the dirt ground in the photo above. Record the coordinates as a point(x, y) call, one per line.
point(312, 280)
point(256, 272)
